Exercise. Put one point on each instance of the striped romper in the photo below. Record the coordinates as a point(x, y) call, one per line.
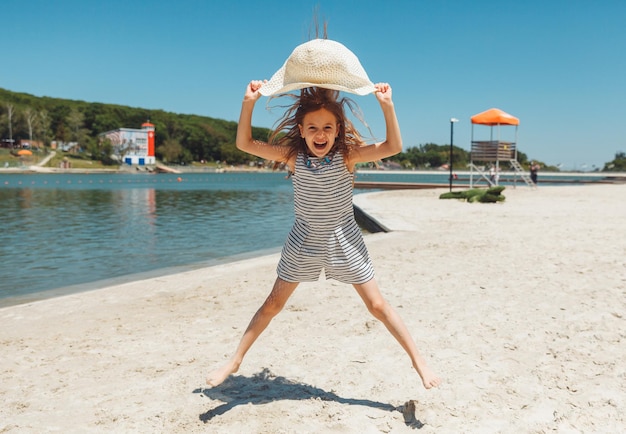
point(325, 234)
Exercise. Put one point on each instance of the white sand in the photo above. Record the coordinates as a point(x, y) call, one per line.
point(519, 306)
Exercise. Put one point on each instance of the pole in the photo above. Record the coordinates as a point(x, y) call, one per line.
point(451, 140)
point(452, 121)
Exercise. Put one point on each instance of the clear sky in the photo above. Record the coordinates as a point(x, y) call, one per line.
point(557, 65)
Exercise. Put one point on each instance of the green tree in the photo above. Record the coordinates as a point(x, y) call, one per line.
point(171, 151)
point(101, 150)
point(231, 155)
point(43, 127)
point(75, 121)
point(103, 122)
point(30, 116)
point(617, 165)
point(58, 116)
point(431, 155)
point(10, 112)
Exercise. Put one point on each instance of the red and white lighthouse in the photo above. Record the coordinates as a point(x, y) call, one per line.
point(150, 128)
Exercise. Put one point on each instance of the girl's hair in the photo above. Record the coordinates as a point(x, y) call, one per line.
point(287, 132)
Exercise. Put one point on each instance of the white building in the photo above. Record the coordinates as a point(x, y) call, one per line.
point(137, 146)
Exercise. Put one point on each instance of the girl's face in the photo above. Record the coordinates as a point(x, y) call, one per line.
point(319, 130)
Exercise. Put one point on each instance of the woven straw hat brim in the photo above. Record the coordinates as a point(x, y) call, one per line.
point(320, 63)
point(269, 90)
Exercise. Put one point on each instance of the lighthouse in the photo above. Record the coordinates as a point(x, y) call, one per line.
point(150, 129)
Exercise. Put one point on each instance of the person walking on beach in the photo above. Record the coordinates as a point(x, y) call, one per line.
point(534, 168)
point(494, 175)
point(320, 148)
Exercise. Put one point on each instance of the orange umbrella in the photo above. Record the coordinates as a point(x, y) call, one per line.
point(24, 152)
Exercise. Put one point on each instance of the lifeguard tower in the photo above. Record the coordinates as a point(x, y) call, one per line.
point(494, 151)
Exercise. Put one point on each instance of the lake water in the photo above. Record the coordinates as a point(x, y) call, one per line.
point(65, 233)
point(64, 230)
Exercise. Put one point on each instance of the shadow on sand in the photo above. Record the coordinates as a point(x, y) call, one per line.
point(265, 387)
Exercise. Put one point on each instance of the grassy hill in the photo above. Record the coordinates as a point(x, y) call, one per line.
point(179, 138)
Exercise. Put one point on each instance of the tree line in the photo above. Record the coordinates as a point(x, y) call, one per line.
point(180, 138)
point(431, 155)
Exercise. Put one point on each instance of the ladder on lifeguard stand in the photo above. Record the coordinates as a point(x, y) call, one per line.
point(519, 170)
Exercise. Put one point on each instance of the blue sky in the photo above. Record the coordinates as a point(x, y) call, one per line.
point(557, 65)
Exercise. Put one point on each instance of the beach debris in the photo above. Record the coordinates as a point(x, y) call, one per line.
point(489, 195)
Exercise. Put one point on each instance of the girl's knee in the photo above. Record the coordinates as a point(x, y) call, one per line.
point(272, 307)
point(375, 302)
point(379, 308)
point(278, 297)
point(274, 304)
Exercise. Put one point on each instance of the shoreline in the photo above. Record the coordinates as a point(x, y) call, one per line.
point(96, 285)
point(518, 305)
point(236, 169)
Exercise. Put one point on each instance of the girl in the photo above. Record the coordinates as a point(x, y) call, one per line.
point(320, 147)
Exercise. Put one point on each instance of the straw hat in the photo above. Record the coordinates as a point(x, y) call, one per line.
point(321, 63)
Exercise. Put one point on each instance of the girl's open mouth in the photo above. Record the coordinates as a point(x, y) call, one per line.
point(320, 146)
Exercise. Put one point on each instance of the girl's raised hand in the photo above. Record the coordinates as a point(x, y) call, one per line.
point(252, 91)
point(383, 92)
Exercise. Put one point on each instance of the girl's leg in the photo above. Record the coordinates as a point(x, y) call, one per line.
point(273, 304)
point(378, 306)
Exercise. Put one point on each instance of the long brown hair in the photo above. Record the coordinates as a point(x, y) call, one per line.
point(287, 132)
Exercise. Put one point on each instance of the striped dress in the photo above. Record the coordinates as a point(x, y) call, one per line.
point(325, 234)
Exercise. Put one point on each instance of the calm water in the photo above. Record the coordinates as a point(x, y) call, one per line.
point(70, 229)
point(71, 232)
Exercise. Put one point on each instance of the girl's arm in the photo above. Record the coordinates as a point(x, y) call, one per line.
point(244, 140)
point(393, 143)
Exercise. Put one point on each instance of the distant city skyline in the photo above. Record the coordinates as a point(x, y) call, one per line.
point(558, 66)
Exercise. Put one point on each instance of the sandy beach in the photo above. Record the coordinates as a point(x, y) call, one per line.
point(519, 306)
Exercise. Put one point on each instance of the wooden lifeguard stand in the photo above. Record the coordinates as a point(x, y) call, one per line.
point(494, 151)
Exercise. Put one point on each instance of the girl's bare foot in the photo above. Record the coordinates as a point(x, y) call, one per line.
point(429, 378)
point(217, 377)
